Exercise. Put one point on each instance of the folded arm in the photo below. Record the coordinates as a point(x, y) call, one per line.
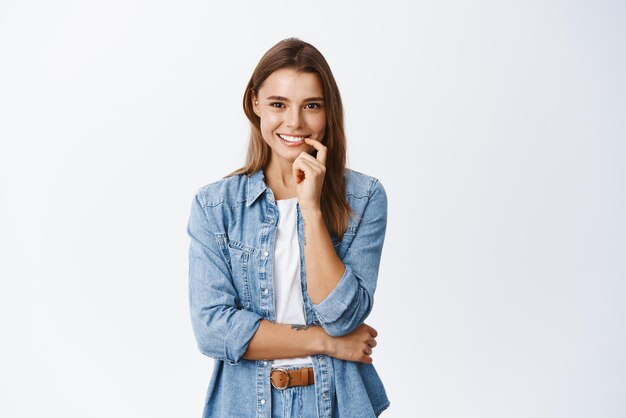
point(225, 332)
point(277, 341)
point(222, 330)
point(342, 291)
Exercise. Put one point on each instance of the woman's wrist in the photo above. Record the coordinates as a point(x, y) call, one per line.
point(312, 213)
point(323, 341)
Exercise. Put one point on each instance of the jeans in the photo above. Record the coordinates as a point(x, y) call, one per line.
point(295, 401)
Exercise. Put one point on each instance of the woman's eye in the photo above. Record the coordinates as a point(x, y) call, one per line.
point(276, 104)
point(313, 106)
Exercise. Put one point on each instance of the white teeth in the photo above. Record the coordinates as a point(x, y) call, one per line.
point(292, 138)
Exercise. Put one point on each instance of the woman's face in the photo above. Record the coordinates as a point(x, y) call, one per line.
point(291, 107)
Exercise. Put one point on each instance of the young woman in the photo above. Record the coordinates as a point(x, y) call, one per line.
point(285, 253)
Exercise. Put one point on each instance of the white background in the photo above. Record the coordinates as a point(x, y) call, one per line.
point(497, 128)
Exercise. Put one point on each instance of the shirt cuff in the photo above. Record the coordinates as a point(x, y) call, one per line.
point(239, 336)
point(339, 299)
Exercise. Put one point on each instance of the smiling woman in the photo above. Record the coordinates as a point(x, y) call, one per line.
point(290, 108)
point(284, 256)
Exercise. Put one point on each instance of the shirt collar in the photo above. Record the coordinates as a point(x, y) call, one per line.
point(256, 186)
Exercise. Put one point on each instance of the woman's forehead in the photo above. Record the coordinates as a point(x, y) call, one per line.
point(292, 85)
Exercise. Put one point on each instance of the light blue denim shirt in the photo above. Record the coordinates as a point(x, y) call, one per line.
point(232, 228)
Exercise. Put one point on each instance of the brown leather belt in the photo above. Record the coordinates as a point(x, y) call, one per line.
point(282, 379)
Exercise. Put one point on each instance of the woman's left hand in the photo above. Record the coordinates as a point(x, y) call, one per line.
point(309, 172)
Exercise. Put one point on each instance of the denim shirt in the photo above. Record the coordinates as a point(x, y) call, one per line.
point(232, 227)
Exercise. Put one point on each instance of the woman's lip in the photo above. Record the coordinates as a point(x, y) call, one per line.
point(297, 136)
point(291, 144)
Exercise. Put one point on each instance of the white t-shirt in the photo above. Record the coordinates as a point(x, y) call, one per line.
point(287, 286)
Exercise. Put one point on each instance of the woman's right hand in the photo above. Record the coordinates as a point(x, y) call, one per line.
point(356, 346)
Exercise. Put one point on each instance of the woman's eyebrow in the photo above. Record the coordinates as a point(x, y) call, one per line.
point(284, 99)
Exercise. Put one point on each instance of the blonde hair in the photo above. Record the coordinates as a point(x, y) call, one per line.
point(303, 57)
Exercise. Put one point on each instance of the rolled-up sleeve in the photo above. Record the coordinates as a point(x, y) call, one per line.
point(222, 330)
point(352, 299)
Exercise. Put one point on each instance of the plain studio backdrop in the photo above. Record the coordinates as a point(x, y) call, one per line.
point(498, 129)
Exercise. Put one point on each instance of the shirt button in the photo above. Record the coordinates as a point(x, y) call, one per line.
point(325, 395)
point(265, 363)
point(262, 401)
point(265, 254)
point(265, 290)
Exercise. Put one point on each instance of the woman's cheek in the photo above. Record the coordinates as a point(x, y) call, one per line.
point(269, 123)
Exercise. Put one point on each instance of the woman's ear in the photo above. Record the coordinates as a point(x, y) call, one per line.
point(255, 105)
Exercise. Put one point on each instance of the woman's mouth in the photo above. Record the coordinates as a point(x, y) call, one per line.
point(292, 140)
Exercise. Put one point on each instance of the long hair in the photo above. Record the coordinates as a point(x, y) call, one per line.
point(303, 57)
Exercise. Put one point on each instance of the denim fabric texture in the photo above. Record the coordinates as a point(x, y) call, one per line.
point(232, 228)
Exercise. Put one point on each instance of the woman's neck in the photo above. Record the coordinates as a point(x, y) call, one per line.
point(281, 180)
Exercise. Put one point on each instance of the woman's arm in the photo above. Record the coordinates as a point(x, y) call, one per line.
point(341, 291)
point(274, 341)
point(277, 341)
point(323, 267)
point(225, 332)
point(222, 330)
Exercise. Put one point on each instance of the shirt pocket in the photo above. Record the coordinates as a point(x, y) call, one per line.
point(241, 256)
point(238, 258)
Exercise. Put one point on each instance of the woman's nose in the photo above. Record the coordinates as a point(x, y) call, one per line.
point(294, 117)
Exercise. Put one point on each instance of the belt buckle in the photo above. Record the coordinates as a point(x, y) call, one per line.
point(279, 370)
